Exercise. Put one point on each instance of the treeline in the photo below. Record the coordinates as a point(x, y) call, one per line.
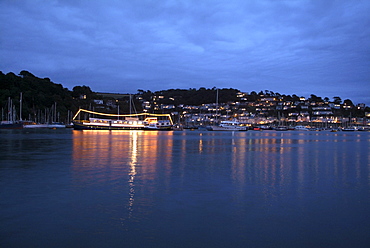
point(191, 96)
point(43, 99)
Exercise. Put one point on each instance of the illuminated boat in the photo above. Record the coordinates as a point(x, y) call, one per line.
point(152, 123)
point(141, 121)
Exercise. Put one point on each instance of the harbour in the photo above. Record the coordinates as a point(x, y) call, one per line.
point(65, 187)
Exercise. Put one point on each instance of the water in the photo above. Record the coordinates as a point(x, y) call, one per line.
point(65, 188)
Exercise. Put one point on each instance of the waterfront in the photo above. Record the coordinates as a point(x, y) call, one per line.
point(67, 188)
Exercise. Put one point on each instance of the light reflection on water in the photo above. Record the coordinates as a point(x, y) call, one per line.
point(193, 189)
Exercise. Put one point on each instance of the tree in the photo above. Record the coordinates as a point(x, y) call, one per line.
point(348, 102)
point(315, 98)
point(26, 74)
point(79, 91)
point(337, 100)
point(295, 98)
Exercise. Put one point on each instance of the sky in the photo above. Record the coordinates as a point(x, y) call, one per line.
point(300, 47)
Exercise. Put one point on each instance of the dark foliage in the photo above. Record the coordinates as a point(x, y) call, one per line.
point(41, 97)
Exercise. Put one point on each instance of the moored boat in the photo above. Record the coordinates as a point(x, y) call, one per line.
point(155, 124)
point(34, 125)
point(232, 125)
point(11, 125)
point(141, 121)
point(281, 128)
point(349, 129)
point(11, 122)
point(301, 128)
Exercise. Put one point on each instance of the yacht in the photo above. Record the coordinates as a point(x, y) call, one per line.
point(232, 125)
point(301, 128)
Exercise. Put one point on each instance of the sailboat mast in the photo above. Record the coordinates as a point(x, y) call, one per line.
point(55, 112)
point(118, 110)
point(130, 104)
point(216, 104)
point(9, 109)
point(20, 108)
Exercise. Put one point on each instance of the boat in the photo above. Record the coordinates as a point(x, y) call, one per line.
point(11, 125)
point(363, 128)
point(265, 127)
point(281, 128)
point(232, 125)
point(30, 124)
point(301, 128)
point(152, 123)
point(314, 129)
point(34, 125)
point(349, 129)
point(12, 122)
point(140, 121)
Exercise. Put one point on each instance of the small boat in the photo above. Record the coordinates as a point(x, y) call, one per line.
point(12, 122)
point(11, 125)
point(232, 125)
point(349, 129)
point(53, 125)
point(152, 123)
point(177, 127)
point(265, 127)
point(229, 125)
point(363, 128)
point(314, 129)
point(301, 128)
point(281, 128)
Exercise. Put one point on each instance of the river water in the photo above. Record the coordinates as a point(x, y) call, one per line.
point(66, 188)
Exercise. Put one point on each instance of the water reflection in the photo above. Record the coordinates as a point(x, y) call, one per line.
point(145, 166)
point(111, 151)
point(269, 158)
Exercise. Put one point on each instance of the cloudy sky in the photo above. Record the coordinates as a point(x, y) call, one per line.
point(298, 47)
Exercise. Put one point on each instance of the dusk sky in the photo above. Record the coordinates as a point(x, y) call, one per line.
point(292, 47)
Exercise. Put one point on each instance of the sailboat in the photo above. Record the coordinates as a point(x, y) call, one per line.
point(11, 122)
point(228, 125)
point(50, 120)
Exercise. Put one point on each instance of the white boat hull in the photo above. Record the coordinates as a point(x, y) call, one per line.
point(225, 128)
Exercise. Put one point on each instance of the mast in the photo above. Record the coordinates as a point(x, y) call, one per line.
point(216, 104)
point(130, 104)
point(20, 108)
point(118, 110)
point(55, 112)
point(9, 109)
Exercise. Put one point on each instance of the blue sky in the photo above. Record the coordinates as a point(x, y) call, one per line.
point(291, 47)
